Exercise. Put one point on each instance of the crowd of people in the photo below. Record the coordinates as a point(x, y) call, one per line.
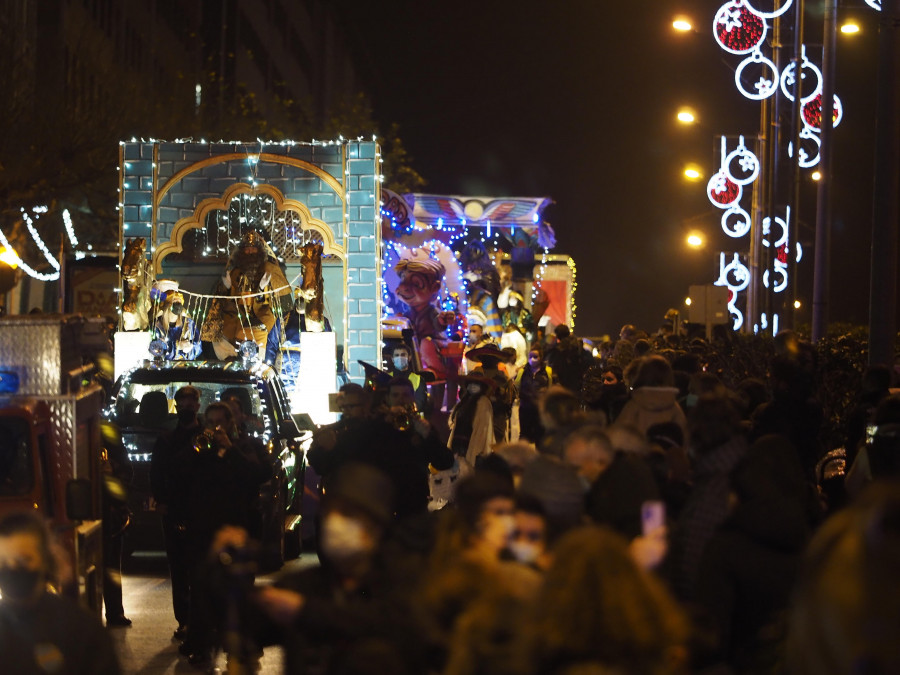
point(627, 512)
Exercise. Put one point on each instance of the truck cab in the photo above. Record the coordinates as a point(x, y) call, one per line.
point(50, 444)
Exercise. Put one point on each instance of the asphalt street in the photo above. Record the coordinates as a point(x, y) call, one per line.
point(147, 647)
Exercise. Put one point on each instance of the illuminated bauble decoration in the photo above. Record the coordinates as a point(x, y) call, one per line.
point(812, 112)
point(740, 165)
point(736, 222)
point(765, 84)
point(776, 12)
point(737, 29)
point(809, 141)
point(807, 69)
point(722, 191)
point(781, 270)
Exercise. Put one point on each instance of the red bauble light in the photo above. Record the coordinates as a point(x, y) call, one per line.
point(743, 34)
point(731, 193)
point(812, 112)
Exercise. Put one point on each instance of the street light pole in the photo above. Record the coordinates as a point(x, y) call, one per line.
point(885, 222)
point(794, 238)
point(823, 198)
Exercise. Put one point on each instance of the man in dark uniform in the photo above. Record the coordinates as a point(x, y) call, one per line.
point(168, 483)
point(223, 482)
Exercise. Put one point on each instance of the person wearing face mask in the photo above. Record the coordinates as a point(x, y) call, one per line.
point(402, 366)
point(41, 632)
point(353, 609)
point(224, 475)
point(532, 381)
point(528, 544)
point(472, 593)
point(472, 421)
point(179, 331)
point(172, 457)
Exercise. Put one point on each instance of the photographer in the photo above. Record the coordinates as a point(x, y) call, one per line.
point(222, 487)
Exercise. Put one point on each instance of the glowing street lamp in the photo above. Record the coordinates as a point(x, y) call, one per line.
point(850, 27)
point(695, 240)
point(686, 116)
point(693, 173)
point(682, 24)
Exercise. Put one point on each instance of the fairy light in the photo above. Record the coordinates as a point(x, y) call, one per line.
point(70, 230)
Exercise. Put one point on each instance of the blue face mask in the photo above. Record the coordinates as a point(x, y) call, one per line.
point(401, 362)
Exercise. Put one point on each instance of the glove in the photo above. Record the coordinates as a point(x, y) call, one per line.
point(226, 280)
point(264, 281)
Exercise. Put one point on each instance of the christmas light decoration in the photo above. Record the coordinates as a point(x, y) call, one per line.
point(874, 4)
point(781, 9)
point(764, 87)
point(738, 29)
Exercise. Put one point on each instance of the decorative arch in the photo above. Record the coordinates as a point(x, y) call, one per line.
point(197, 220)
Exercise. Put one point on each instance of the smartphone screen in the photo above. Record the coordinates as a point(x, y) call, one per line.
point(653, 516)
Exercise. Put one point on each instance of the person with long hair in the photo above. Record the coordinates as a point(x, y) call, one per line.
point(598, 612)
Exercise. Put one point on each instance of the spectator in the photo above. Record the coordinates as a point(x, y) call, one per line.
point(598, 612)
point(569, 360)
point(350, 613)
point(532, 381)
point(604, 390)
point(617, 483)
point(560, 414)
point(40, 631)
point(844, 617)
point(653, 399)
point(748, 568)
point(716, 445)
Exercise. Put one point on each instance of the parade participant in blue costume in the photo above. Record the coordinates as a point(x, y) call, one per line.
point(177, 329)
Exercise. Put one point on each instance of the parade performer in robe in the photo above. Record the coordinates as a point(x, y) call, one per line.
point(177, 329)
point(261, 292)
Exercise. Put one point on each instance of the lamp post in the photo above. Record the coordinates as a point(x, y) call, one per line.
point(823, 198)
point(885, 217)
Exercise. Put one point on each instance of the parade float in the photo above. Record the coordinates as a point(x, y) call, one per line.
point(265, 248)
point(482, 259)
point(293, 253)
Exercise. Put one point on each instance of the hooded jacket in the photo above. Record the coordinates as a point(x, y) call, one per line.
point(653, 405)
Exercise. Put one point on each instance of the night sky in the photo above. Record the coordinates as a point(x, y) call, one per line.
point(576, 100)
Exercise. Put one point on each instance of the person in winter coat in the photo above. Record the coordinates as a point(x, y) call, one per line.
point(654, 397)
point(749, 567)
point(716, 445)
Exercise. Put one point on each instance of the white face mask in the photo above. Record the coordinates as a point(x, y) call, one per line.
point(525, 552)
point(400, 362)
point(473, 389)
point(344, 537)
